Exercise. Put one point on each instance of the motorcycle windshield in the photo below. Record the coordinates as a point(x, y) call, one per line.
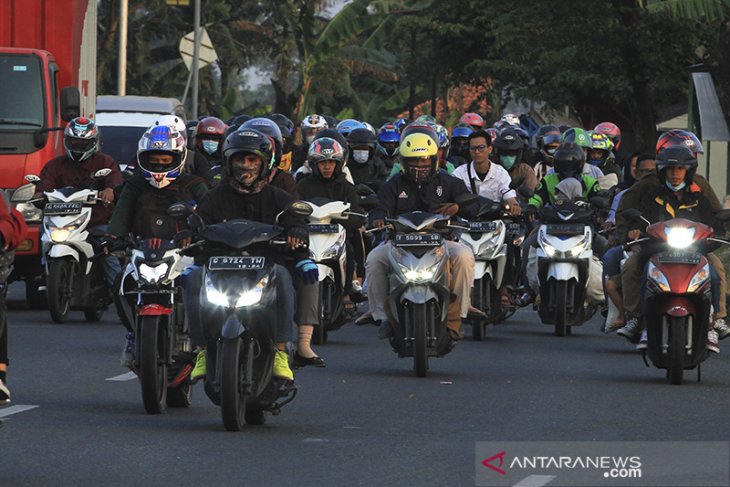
point(567, 212)
point(239, 234)
point(417, 220)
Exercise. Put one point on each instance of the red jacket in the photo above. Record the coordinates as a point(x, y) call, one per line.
point(60, 172)
point(12, 226)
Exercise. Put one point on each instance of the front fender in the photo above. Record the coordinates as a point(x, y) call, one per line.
point(418, 294)
point(58, 251)
point(563, 271)
point(325, 271)
point(232, 328)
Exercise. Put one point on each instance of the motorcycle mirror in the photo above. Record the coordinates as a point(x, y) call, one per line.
point(127, 174)
point(181, 209)
point(102, 173)
point(300, 208)
point(32, 178)
point(23, 193)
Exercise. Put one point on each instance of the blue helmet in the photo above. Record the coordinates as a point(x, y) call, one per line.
point(347, 126)
point(461, 130)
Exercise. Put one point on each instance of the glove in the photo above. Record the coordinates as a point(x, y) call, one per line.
point(298, 232)
point(529, 213)
point(307, 271)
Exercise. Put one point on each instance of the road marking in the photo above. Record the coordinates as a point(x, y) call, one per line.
point(124, 377)
point(5, 412)
point(535, 481)
point(315, 440)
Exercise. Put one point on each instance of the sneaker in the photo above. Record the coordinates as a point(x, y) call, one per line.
point(722, 329)
point(199, 370)
point(643, 342)
point(525, 299)
point(4, 393)
point(385, 330)
point(127, 359)
point(711, 344)
point(281, 366)
point(613, 326)
point(631, 329)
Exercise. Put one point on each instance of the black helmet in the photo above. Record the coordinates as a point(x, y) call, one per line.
point(362, 137)
point(249, 141)
point(270, 128)
point(285, 124)
point(568, 160)
point(324, 149)
point(676, 156)
point(508, 147)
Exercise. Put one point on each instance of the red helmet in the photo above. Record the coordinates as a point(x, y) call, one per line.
point(611, 131)
point(679, 137)
point(473, 119)
point(209, 128)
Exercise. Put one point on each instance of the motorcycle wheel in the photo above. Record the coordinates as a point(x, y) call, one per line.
point(152, 363)
point(482, 300)
point(320, 330)
point(561, 309)
point(60, 288)
point(93, 315)
point(677, 334)
point(233, 397)
point(179, 397)
point(418, 316)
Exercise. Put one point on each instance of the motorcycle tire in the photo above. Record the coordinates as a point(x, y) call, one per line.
point(677, 336)
point(60, 288)
point(180, 396)
point(418, 316)
point(233, 396)
point(93, 315)
point(561, 309)
point(152, 362)
point(320, 330)
point(481, 299)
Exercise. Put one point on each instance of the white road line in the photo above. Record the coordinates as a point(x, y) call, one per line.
point(124, 377)
point(5, 412)
point(535, 481)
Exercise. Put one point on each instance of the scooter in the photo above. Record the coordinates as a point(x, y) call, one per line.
point(163, 356)
point(75, 278)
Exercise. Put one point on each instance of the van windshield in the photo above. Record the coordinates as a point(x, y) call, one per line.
point(21, 92)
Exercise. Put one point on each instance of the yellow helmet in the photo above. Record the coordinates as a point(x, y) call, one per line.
point(414, 147)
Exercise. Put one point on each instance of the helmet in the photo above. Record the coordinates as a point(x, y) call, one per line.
point(209, 134)
point(473, 119)
point(413, 147)
point(166, 140)
point(568, 160)
point(370, 128)
point(285, 124)
point(190, 127)
point(178, 123)
point(361, 137)
point(443, 139)
point(388, 139)
point(325, 149)
point(430, 119)
point(611, 131)
point(460, 138)
point(679, 137)
point(578, 136)
point(603, 145)
point(511, 119)
point(81, 139)
point(347, 126)
point(420, 128)
point(548, 140)
point(401, 123)
point(508, 147)
point(249, 141)
point(311, 125)
point(676, 156)
point(268, 127)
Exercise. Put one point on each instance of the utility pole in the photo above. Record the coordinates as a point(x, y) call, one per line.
point(196, 56)
point(122, 67)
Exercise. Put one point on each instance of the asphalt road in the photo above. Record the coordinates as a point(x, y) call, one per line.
point(363, 420)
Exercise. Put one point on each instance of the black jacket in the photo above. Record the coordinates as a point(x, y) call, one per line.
point(373, 173)
point(338, 189)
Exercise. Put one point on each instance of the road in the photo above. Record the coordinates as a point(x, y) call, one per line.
point(363, 420)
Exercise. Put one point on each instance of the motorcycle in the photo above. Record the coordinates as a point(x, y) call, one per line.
point(327, 247)
point(566, 267)
point(678, 297)
point(163, 356)
point(75, 277)
point(239, 306)
point(419, 287)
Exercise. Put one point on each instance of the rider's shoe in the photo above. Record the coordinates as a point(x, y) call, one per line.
point(4, 393)
point(722, 328)
point(127, 359)
point(281, 366)
point(200, 369)
point(631, 330)
point(711, 344)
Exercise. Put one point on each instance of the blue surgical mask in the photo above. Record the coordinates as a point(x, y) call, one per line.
point(508, 161)
point(595, 162)
point(210, 146)
point(680, 186)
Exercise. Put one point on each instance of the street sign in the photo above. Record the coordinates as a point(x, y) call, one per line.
point(207, 51)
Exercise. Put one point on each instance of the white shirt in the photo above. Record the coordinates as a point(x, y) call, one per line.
point(495, 185)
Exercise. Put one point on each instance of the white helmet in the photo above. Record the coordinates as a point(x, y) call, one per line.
point(178, 123)
point(164, 139)
point(511, 119)
point(311, 125)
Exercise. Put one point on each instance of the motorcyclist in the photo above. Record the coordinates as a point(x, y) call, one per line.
point(276, 177)
point(142, 206)
point(248, 154)
point(208, 141)
point(286, 126)
point(420, 187)
point(77, 169)
point(582, 138)
point(308, 128)
point(676, 197)
point(306, 170)
point(388, 140)
point(195, 162)
point(508, 150)
point(365, 166)
point(547, 140)
point(601, 155)
point(459, 153)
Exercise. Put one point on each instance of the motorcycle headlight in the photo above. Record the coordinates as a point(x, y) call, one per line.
point(582, 246)
point(252, 296)
point(699, 279)
point(680, 237)
point(61, 234)
point(549, 250)
point(153, 274)
point(419, 275)
point(332, 252)
point(489, 246)
point(657, 277)
point(214, 296)
point(247, 298)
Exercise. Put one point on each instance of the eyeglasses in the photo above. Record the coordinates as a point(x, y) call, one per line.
point(477, 148)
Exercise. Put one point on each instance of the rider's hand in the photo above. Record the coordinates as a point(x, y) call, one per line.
point(185, 243)
point(379, 224)
point(530, 213)
point(448, 209)
point(634, 234)
point(297, 237)
point(515, 210)
point(106, 196)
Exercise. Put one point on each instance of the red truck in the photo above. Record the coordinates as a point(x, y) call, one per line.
point(47, 77)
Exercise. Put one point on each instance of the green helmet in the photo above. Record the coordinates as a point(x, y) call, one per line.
point(578, 136)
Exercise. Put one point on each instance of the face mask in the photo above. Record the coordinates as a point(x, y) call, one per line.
point(361, 156)
point(595, 162)
point(676, 188)
point(508, 161)
point(244, 175)
point(210, 146)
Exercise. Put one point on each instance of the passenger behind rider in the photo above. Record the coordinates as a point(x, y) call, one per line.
point(509, 148)
point(247, 195)
point(420, 187)
point(142, 206)
point(677, 197)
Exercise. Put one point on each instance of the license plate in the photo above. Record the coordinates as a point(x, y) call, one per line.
point(324, 228)
point(482, 227)
point(56, 209)
point(672, 257)
point(236, 263)
point(514, 228)
point(565, 229)
point(424, 239)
